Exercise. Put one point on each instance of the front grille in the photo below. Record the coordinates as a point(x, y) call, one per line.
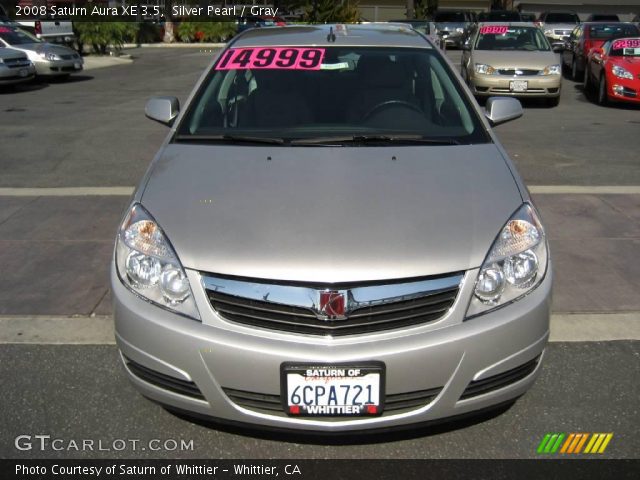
point(562, 32)
point(69, 56)
point(479, 387)
point(522, 71)
point(374, 317)
point(17, 62)
point(271, 403)
point(163, 381)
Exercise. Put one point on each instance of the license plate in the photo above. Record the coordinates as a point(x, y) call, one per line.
point(23, 72)
point(333, 390)
point(518, 86)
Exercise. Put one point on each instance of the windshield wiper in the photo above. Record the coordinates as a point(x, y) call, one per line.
point(379, 139)
point(229, 139)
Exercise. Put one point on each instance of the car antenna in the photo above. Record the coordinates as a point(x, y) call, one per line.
point(332, 36)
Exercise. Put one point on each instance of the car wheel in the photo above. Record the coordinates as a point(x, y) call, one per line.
point(602, 90)
point(575, 73)
point(553, 101)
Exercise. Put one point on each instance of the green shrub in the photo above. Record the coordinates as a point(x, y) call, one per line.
point(101, 35)
point(205, 31)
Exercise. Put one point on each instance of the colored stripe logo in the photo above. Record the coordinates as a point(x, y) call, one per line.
point(574, 443)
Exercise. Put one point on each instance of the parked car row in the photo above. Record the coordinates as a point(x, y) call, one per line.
point(23, 56)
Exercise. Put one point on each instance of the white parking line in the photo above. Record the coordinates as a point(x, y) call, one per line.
point(586, 189)
point(66, 192)
point(126, 191)
point(98, 330)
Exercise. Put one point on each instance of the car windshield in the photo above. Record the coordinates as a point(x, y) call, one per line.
point(452, 17)
point(605, 31)
point(298, 95)
point(625, 47)
point(499, 17)
point(562, 18)
point(503, 37)
point(15, 36)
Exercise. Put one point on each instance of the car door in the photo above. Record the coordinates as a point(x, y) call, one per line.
point(570, 46)
point(598, 58)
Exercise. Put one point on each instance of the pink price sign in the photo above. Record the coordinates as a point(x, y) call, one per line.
point(626, 43)
point(281, 58)
point(5, 30)
point(494, 29)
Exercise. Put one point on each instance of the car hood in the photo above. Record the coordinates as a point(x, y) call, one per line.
point(9, 53)
point(44, 47)
point(513, 59)
point(559, 26)
point(331, 214)
point(632, 64)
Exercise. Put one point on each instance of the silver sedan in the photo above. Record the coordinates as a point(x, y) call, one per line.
point(331, 238)
point(49, 59)
point(15, 67)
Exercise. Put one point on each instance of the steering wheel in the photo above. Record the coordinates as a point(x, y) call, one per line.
point(390, 103)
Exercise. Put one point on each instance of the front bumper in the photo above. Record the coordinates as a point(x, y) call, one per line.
point(494, 85)
point(10, 76)
point(623, 89)
point(59, 67)
point(216, 357)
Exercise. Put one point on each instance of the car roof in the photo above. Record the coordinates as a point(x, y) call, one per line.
point(365, 34)
point(509, 24)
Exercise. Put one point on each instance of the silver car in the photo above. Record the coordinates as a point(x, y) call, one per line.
point(49, 59)
point(331, 238)
point(15, 67)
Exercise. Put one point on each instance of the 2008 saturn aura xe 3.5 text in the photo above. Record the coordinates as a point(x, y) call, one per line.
point(331, 239)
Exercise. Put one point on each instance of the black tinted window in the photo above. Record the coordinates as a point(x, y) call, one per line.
point(562, 18)
point(454, 17)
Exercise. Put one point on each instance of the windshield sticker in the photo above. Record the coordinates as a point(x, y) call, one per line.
point(494, 29)
point(335, 66)
point(284, 58)
point(629, 43)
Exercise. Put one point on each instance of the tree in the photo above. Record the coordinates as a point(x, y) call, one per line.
point(426, 8)
point(330, 11)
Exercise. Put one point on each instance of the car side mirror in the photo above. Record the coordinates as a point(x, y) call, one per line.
point(466, 47)
point(500, 110)
point(162, 109)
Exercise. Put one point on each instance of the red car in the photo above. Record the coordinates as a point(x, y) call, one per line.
point(587, 36)
point(614, 69)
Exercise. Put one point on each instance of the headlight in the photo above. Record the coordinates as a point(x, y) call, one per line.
point(548, 31)
point(49, 56)
point(148, 265)
point(551, 70)
point(621, 72)
point(515, 265)
point(460, 30)
point(485, 69)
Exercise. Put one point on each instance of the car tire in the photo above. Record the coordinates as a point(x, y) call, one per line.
point(603, 99)
point(586, 83)
point(553, 101)
point(575, 73)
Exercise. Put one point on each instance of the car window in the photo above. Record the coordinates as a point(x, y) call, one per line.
point(349, 91)
point(503, 37)
point(562, 18)
point(499, 17)
point(605, 31)
point(15, 36)
point(453, 17)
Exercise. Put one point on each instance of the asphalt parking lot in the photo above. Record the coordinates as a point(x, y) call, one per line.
point(70, 153)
